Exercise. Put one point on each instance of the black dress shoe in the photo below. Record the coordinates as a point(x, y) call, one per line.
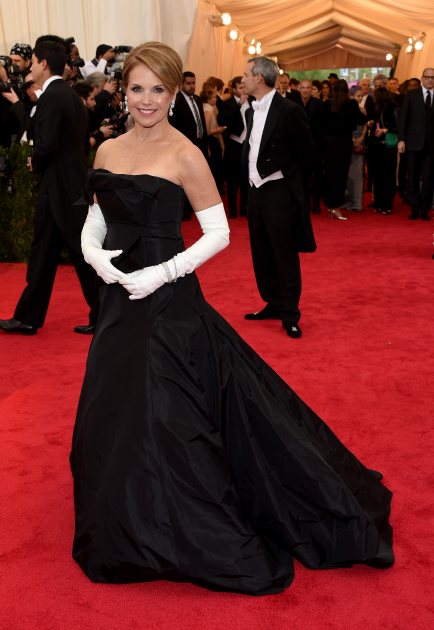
point(267, 312)
point(85, 330)
point(15, 326)
point(293, 330)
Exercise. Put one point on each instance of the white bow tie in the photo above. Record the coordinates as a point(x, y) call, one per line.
point(260, 106)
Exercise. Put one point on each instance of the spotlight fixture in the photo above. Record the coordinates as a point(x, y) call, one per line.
point(220, 20)
point(251, 49)
point(233, 34)
point(389, 57)
point(258, 48)
point(415, 42)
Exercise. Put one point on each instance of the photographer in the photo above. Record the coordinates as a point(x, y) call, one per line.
point(23, 107)
point(21, 57)
point(104, 56)
point(95, 136)
point(74, 62)
point(15, 104)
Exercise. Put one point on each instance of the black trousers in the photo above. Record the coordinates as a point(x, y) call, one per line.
point(271, 212)
point(420, 174)
point(337, 152)
point(383, 164)
point(41, 270)
point(234, 179)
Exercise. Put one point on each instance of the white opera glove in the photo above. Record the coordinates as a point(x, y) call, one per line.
point(215, 237)
point(92, 237)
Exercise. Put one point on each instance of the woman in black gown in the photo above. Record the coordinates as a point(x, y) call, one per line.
point(192, 459)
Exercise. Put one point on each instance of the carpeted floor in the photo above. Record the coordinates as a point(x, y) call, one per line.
point(365, 364)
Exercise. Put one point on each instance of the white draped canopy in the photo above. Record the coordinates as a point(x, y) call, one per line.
point(302, 34)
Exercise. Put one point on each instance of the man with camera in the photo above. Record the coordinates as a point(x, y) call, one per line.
point(15, 106)
point(104, 57)
point(58, 160)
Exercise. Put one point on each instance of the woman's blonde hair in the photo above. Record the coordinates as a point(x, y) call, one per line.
point(162, 60)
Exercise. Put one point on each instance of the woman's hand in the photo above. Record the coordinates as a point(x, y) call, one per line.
point(143, 282)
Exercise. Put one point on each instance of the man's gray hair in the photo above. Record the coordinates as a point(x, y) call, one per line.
point(381, 77)
point(97, 79)
point(267, 67)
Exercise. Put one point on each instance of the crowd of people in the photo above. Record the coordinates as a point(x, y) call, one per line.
point(367, 136)
point(329, 144)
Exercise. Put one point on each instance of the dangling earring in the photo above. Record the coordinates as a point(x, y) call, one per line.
point(172, 105)
point(126, 103)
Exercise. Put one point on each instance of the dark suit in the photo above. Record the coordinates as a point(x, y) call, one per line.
point(230, 116)
point(58, 160)
point(277, 210)
point(183, 120)
point(313, 109)
point(293, 95)
point(415, 128)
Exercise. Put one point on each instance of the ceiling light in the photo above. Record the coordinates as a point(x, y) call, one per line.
point(233, 34)
point(389, 57)
point(226, 19)
point(251, 49)
point(409, 48)
point(418, 45)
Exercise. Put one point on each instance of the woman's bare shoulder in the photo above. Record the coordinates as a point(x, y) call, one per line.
point(107, 148)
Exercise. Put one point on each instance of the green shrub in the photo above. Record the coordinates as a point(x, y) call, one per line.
point(17, 204)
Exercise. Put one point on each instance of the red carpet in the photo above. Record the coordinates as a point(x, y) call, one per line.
point(365, 364)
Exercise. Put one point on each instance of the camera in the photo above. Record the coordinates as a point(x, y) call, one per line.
point(76, 63)
point(122, 49)
point(118, 123)
point(15, 76)
point(115, 74)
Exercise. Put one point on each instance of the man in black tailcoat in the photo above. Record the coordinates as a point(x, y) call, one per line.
point(58, 160)
point(415, 138)
point(277, 159)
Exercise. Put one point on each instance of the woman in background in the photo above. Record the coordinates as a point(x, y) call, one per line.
point(208, 97)
point(340, 117)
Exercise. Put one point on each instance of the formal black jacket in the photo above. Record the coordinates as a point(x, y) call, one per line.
point(415, 124)
point(293, 95)
point(58, 159)
point(183, 120)
point(230, 117)
point(313, 109)
point(286, 144)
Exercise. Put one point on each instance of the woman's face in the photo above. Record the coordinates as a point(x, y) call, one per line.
point(148, 98)
point(315, 91)
point(325, 90)
point(212, 100)
point(358, 96)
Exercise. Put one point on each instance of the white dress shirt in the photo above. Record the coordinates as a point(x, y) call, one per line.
point(89, 68)
point(260, 113)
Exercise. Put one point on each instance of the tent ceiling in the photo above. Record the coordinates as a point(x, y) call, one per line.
point(330, 33)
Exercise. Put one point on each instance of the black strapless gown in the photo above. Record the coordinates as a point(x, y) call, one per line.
point(192, 459)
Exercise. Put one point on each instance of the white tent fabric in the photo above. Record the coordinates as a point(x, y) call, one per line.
point(303, 34)
point(313, 34)
point(94, 22)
